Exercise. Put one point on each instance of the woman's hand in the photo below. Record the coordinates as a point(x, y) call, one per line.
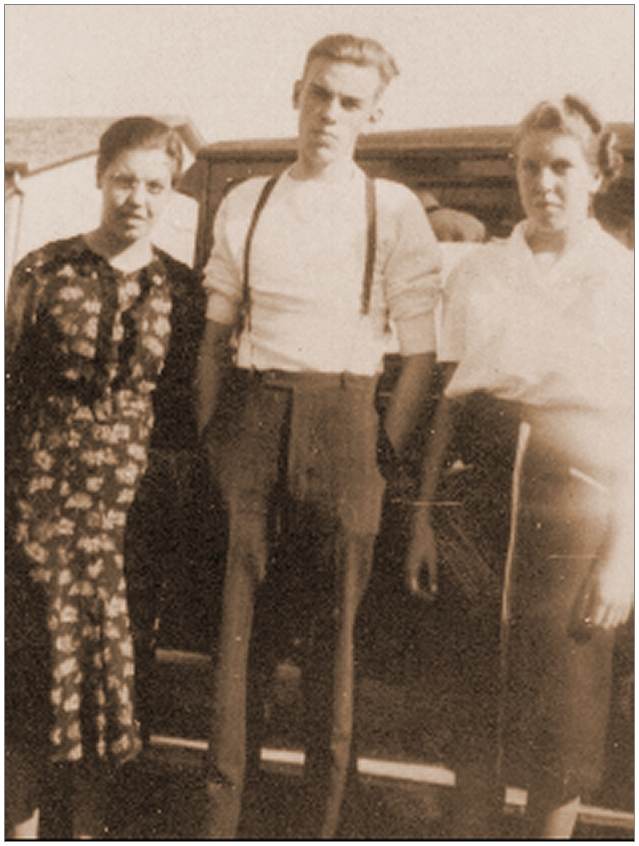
point(610, 594)
point(422, 554)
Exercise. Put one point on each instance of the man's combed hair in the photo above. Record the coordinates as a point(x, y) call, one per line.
point(343, 47)
point(574, 116)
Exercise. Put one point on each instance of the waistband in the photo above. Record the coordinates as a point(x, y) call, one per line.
point(304, 380)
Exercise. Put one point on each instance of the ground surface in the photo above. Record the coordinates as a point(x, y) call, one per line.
point(161, 799)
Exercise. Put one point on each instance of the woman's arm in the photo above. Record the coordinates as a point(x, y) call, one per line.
point(422, 552)
point(612, 579)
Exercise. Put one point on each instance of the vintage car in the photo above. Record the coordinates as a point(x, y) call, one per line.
point(408, 699)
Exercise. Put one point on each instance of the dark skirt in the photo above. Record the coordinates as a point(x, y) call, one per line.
point(548, 705)
point(559, 672)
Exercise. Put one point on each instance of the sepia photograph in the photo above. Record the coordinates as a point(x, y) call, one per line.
point(319, 422)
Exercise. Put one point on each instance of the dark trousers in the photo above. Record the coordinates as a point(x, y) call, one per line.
point(301, 447)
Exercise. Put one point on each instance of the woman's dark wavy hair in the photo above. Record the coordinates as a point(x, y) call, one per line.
point(575, 117)
point(131, 133)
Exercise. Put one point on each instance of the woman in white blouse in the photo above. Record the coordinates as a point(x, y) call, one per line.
point(542, 323)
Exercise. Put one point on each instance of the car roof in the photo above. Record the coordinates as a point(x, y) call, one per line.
point(479, 140)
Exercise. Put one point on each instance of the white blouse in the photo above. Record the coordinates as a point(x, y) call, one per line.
point(557, 336)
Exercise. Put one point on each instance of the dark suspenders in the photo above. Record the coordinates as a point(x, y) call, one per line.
point(371, 247)
point(371, 244)
point(245, 310)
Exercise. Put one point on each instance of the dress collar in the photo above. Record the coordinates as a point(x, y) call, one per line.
point(586, 234)
point(154, 268)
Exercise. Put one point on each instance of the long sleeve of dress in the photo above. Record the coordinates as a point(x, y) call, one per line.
point(20, 313)
point(21, 305)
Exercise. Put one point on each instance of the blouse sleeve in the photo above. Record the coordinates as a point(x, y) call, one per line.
point(451, 344)
point(615, 333)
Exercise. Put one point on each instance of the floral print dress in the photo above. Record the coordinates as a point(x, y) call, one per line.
point(86, 344)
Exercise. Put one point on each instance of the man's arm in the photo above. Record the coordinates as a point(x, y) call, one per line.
point(223, 284)
point(412, 276)
point(213, 363)
point(408, 398)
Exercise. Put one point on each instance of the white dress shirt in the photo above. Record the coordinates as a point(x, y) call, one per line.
point(306, 274)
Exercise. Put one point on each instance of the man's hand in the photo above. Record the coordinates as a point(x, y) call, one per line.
point(421, 555)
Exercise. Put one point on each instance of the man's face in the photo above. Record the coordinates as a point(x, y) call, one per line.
point(336, 101)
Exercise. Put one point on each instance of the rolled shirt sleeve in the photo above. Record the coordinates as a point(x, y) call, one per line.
point(412, 272)
point(222, 279)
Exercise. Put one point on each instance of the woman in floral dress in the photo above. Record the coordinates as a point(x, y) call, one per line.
point(88, 330)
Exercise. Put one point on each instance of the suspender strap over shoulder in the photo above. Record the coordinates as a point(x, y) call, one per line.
point(261, 202)
point(371, 244)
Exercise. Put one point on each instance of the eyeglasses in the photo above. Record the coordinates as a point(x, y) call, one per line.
point(126, 183)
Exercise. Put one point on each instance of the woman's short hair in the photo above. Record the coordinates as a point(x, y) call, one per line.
point(574, 116)
point(132, 133)
point(343, 47)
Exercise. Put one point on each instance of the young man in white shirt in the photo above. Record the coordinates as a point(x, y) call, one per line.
point(306, 272)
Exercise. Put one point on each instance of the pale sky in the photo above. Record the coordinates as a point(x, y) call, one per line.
point(231, 68)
